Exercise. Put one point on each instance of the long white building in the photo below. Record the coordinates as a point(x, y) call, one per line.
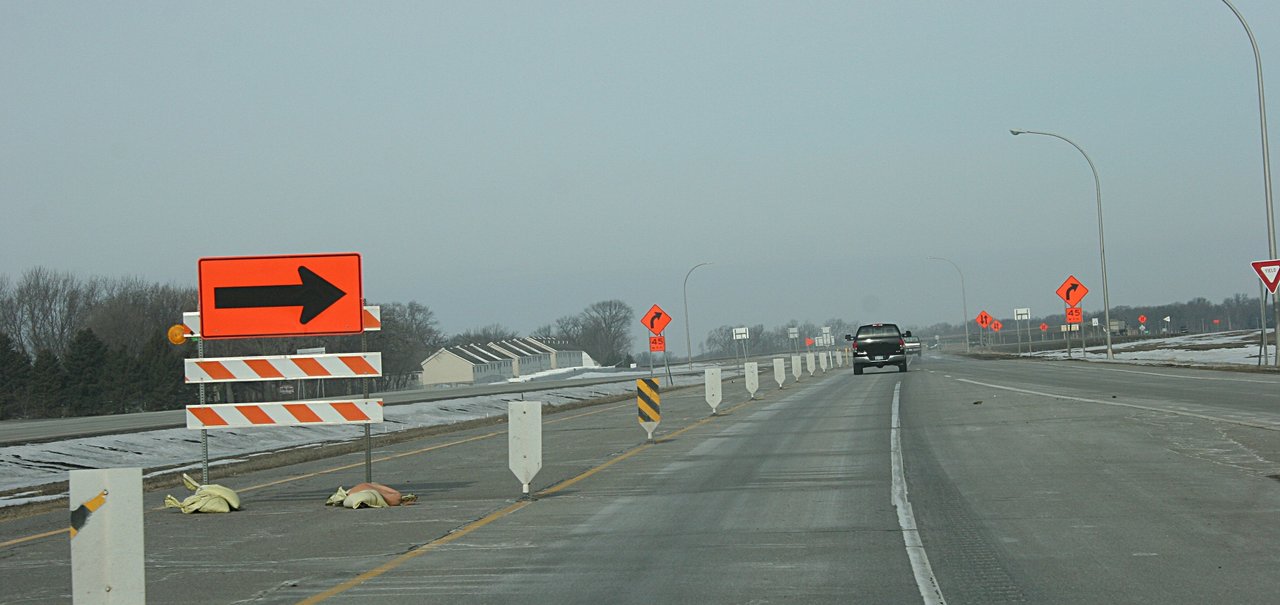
point(497, 361)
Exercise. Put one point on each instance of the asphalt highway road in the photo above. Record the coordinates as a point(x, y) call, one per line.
point(1051, 482)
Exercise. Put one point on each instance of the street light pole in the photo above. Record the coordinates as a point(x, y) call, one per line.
point(1102, 242)
point(964, 299)
point(1266, 161)
point(688, 343)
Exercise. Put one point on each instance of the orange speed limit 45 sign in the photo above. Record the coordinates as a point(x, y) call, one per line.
point(293, 295)
point(1075, 315)
point(657, 344)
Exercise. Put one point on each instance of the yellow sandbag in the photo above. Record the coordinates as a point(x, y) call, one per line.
point(203, 502)
point(206, 499)
point(365, 498)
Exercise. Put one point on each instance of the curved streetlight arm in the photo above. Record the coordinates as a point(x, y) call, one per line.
point(1266, 152)
point(964, 298)
point(688, 343)
point(1102, 245)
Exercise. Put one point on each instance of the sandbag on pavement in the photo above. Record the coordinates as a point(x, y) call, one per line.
point(369, 495)
point(205, 499)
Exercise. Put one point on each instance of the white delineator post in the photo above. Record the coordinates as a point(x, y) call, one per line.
point(751, 371)
point(106, 537)
point(524, 441)
point(713, 388)
point(779, 371)
point(795, 367)
point(812, 361)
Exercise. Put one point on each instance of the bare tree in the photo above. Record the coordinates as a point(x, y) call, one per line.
point(409, 334)
point(50, 306)
point(489, 333)
point(606, 331)
point(131, 311)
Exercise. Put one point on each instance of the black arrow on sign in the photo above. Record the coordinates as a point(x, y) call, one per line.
point(653, 321)
point(1071, 290)
point(314, 295)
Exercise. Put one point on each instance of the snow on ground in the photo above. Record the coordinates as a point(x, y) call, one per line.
point(1216, 348)
point(24, 466)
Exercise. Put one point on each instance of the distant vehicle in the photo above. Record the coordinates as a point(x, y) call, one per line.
point(1118, 326)
point(912, 346)
point(880, 345)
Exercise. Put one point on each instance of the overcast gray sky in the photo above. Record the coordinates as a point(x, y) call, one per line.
point(514, 162)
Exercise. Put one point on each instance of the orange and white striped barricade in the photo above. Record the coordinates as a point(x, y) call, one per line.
point(284, 413)
point(283, 367)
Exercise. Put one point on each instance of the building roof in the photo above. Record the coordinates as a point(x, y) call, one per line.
point(478, 354)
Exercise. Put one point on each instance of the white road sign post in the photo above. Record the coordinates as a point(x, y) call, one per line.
point(779, 371)
point(822, 362)
point(714, 395)
point(795, 367)
point(524, 441)
point(812, 362)
point(839, 359)
point(1022, 314)
point(106, 537)
point(794, 335)
point(751, 370)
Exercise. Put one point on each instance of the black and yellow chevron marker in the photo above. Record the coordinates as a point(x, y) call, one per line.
point(80, 515)
point(648, 404)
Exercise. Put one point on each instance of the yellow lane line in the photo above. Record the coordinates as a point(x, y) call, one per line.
point(35, 537)
point(417, 552)
point(490, 518)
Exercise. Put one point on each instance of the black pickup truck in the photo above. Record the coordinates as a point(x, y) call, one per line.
point(878, 345)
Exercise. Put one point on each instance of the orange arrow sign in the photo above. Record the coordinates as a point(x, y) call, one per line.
point(656, 320)
point(1072, 291)
point(291, 295)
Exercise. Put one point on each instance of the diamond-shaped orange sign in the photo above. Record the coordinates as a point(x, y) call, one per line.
point(984, 319)
point(1072, 291)
point(996, 325)
point(656, 320)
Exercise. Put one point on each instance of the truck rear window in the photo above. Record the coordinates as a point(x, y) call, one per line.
point(877, 331)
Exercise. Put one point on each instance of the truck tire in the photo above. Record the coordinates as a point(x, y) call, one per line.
point(902, 367)
point(857, 370)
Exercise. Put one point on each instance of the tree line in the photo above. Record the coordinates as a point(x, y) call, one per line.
point(75, 346)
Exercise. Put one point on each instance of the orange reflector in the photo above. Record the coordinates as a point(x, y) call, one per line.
point(177, 334)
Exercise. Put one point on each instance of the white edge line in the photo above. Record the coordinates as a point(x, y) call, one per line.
point(1256, 425)
point(925, 582)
